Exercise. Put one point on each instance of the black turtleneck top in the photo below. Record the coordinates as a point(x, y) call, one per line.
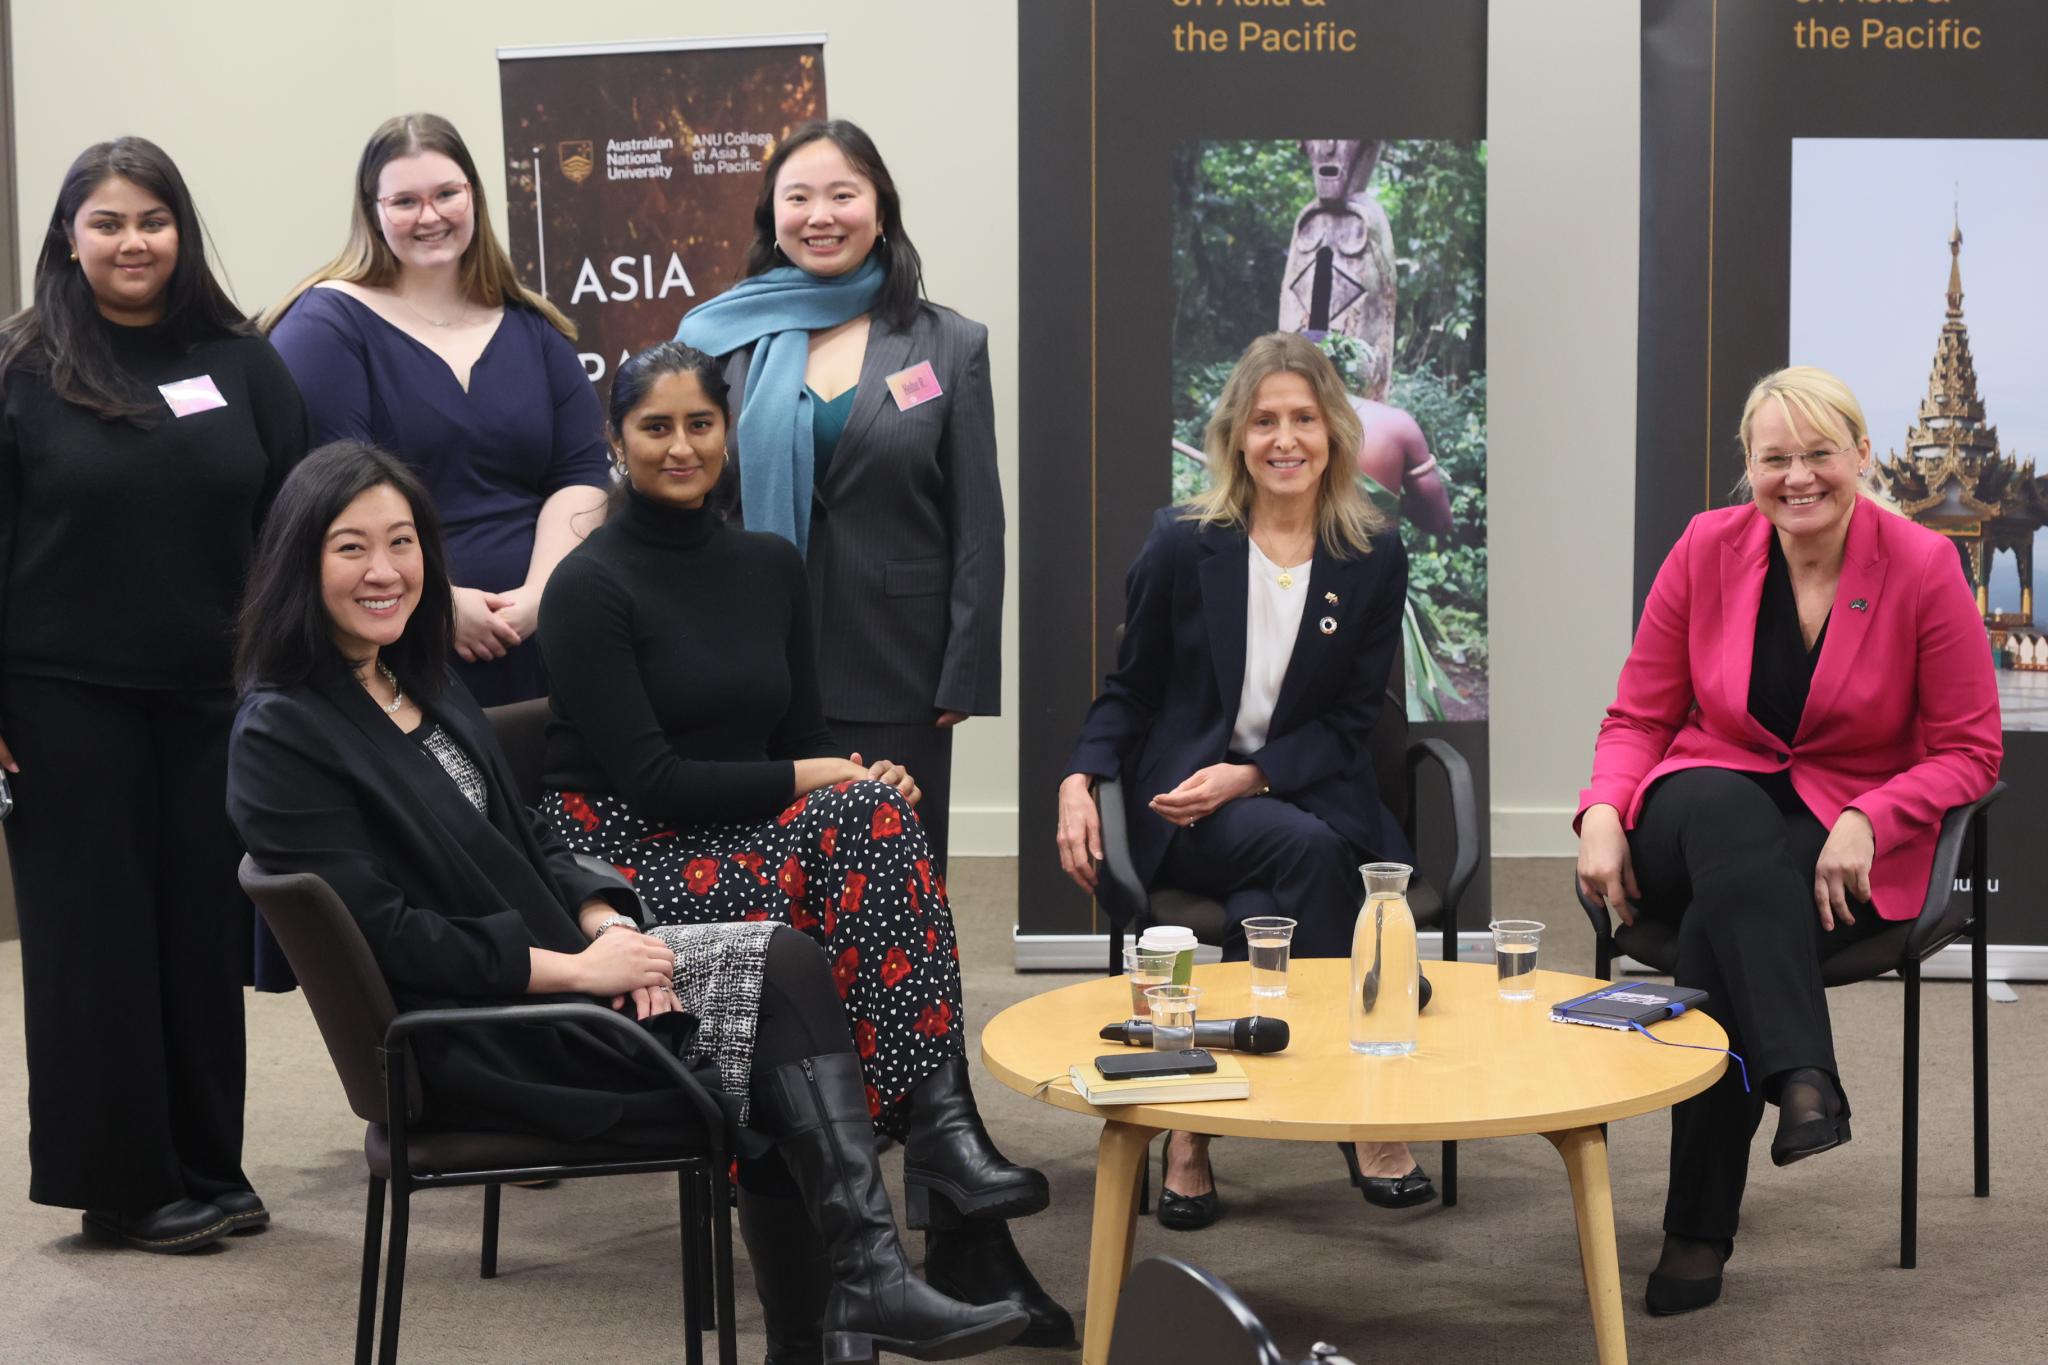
point(680, 665)
point(124, 547)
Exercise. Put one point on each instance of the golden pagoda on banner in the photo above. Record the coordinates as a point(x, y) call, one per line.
point(1953, 479)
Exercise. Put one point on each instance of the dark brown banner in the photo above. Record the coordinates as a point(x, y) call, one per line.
point(631, 171)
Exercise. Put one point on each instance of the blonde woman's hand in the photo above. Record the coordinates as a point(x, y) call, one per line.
point(1079, 833)
point(1843, 871)
point(1606, 873)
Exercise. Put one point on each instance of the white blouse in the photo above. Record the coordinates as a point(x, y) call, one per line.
point(1272, 619)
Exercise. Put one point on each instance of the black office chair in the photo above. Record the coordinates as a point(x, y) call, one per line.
point(369, 1039)
point(522, 731)
point(1397, 769)
point(1901, 948)
point(1172, 1311)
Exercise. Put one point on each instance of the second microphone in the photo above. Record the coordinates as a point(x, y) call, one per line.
point(1252, 1033)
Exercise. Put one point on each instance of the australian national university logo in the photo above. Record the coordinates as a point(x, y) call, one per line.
point(578, 158)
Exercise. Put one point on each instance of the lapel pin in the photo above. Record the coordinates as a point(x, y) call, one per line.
point(1328, 625)
point(1331, 598)
point(1859, 605)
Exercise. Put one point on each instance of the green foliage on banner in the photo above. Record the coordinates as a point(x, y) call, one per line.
point(1234, 210)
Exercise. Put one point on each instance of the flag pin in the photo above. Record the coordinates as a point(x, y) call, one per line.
point(1859, 605)
point(1328, 625)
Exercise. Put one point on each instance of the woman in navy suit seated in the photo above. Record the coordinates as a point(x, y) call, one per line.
point(1261, 620)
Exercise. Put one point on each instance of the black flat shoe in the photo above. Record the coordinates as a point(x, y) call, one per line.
point(179, 1226)
point(1186, 1212)
point(1817, 1123)
point(245, 1211)
point(977, 1262)
point(1669, 1295)
point(1388, 1191)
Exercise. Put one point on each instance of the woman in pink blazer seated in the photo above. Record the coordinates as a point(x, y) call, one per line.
point(1810, 689)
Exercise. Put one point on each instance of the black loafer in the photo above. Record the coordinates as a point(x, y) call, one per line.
point(1397, 1191)
point(1669, 1295)
point(245, 1211)
point(177, 1227)
point(1186, 1212)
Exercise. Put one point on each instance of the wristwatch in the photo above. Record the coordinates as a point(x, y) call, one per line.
point(612, 922)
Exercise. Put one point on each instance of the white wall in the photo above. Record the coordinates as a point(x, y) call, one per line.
point(265, 105)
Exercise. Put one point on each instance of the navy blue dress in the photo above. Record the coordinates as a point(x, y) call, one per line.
point(528, 426)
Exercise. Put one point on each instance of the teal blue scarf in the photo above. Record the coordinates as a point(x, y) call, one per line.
point(775, 312)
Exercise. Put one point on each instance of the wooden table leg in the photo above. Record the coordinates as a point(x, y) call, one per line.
point(1585, 1159)
point(1118, 1160)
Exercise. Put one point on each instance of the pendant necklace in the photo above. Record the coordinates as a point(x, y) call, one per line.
point(397, 692)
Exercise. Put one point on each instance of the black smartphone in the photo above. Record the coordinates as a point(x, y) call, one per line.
point(1124, 1066)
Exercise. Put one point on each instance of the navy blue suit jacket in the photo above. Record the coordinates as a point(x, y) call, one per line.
point(1171, 704)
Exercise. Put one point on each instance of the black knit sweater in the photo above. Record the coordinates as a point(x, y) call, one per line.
point(124, 547)
point(680, 667)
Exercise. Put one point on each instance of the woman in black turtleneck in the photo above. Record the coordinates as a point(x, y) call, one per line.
point(144, 429)
point(690, 750)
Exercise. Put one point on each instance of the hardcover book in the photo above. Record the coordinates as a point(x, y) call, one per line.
point(1226, 1082)
point(1627, 1004)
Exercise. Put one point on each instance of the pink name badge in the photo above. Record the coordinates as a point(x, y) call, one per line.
point(188, 396)
point(914, 386)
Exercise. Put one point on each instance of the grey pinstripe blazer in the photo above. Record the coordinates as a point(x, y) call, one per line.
point(906, 552)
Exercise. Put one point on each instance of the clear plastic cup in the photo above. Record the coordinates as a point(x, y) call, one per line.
point(1173, 1016)
point(1268, 942)
point(1146, 968)
point(1515, 942)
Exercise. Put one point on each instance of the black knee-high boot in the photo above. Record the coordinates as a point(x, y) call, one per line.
point(975, 1261)
point(947, 1155)
point(816, 1110)
point(792, 1276)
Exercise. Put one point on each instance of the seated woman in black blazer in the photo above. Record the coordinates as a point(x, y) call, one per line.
point(357, 756)
point(690, 750)
point(1261, 619)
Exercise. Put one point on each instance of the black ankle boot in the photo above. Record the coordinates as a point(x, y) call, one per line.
point(792, 1276)
point(947, 1156)
point(977, 1262)
point(817, 1112)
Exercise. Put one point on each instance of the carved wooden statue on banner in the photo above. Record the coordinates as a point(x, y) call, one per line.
point(1340, 265)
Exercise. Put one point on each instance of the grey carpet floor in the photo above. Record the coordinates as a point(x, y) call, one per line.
point(588, 1271)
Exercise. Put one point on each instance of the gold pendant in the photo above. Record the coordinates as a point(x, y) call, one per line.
point(1286, 579)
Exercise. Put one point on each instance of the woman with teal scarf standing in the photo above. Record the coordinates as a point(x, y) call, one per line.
point(866, 437)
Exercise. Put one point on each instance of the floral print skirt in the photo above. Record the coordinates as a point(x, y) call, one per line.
point(846, 865)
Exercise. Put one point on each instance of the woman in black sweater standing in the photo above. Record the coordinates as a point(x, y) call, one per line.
point(144, 430)
point(690, 750)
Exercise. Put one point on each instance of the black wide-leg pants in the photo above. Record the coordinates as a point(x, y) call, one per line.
point(135, 941)
point(1261, 855)
point(1730, 857)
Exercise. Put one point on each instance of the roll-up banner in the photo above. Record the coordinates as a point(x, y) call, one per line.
point(631, 171)
point(1863, 187)
point(1196, 174)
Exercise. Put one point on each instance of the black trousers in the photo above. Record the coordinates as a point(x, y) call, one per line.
point(927, 751)
point(1264, 856)
point(135, 942)
point(1730, 857)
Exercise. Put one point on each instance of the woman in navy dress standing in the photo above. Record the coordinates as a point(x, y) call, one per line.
point(420, 339)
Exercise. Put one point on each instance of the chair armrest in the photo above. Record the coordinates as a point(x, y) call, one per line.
point(637, 1039)
point(1596, 911)
point(1119, 890)
point(1942, 916)
point(1464, 824)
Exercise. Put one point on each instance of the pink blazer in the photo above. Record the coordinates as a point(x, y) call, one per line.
point(1902, 718)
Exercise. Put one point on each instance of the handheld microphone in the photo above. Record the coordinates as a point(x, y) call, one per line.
point(1252, 1033)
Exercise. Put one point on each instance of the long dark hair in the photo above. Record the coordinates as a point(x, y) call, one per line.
point(486, 278)
point(61, 333)
point(629, 387)
point(285, 632)
point(903, 288)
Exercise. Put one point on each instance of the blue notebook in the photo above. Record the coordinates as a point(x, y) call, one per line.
point(1628, 1004)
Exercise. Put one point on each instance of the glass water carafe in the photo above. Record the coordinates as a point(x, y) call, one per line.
point(1384, 965)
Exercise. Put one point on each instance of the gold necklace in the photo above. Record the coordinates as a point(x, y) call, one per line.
point(432, 322)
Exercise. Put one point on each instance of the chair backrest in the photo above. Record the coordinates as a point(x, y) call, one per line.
point(1390, 741)
point(1172, 1311)
point(522, 731)
point(347, 992)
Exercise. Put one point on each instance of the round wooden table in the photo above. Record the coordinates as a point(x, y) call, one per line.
point(1485, 1067)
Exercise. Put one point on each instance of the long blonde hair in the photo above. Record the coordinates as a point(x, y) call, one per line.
point(1346, 520)
point(487, 280)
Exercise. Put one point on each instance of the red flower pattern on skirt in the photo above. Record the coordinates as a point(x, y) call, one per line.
point(794, 809)
point(916, 906)
point(701, 875)
point(845, 970)
point(849, 898)
point(829, 840)
point(755, 915)
point(627, 872)
point(888, 821)
point(791, 878)
point(578, 809)
point(874, 1103)
point(895, 967)
point(935, 1021)
point(864, 1037)
point(931, 940)
point(752, 863)
point(800, 917)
